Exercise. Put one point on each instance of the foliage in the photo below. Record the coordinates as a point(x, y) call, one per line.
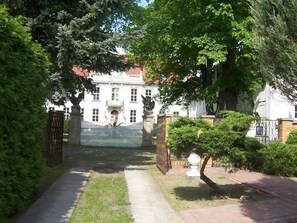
point(219, 140)
point(248, 156)
point(186, 135)
point(83, 34)
point(280, 159)
point(197, 49)
point(292, 138)
point(183, 135)
point(275, 42)
point(66, 126)
point(23, 77)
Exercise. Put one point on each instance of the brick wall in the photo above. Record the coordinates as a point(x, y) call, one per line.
point(285, 126)
point(162, 153)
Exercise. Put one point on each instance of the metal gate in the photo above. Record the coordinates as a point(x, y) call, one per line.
point(52, 142)
point(267, 131)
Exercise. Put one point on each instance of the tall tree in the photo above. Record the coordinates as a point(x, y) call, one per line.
point(275, 23)
point(81, 33)
point(198, 50)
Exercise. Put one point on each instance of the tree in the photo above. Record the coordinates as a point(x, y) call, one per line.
point(275, 26)
point(196, 49)
point(82, 33)
point(24, 73)
point(224, 139)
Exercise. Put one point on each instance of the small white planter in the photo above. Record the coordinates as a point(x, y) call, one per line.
point(194, 160)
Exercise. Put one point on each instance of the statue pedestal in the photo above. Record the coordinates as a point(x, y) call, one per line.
point(147, 135)
point(74, 128)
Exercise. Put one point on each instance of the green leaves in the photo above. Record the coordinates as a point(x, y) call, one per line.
point(198, 38)
point(24, 73)
point(275, 42)
point(222, 139)
point(81, 33)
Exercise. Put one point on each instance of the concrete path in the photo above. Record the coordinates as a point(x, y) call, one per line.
point(57, 203)
point(148, 204)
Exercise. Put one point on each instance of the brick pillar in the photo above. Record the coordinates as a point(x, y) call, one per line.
point(162, 153)
point(285, 126)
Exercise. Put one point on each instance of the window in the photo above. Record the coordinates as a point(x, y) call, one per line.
point(95, 117)
point(66, 113)
point(114, 94)
point(134, 95)
point(132, 116)
point(148, 92)
point(295, 111)
point(96, 94)
point(82, 111)
point(175, 115)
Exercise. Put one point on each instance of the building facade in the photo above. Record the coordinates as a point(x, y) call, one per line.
point(117, 100)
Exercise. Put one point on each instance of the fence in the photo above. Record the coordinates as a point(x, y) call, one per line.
point(266, 131)
point(120, 136)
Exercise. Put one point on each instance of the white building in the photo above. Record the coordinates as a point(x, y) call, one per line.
point(271, 104)
point(118, 98)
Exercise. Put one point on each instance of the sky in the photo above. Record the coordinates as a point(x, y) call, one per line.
point(144, 2)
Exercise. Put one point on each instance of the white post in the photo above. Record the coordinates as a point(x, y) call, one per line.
point(194, 160)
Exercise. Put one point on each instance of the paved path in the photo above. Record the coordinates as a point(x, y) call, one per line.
point(281, 208)
point(148, 204)
point(58, 202)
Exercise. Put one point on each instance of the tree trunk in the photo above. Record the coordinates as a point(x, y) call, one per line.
point(208, 181)
point(227, 96)
point(207, 81)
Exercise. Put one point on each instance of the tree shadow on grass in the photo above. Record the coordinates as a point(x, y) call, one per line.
point(240, 192)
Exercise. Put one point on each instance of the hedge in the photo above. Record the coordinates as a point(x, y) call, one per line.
point(23, 79)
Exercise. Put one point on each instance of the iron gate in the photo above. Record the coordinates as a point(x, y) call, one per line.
point(267, 131)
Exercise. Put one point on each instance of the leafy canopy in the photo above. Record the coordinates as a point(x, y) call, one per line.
point(81, 33)
point(275, 26)
point(195, 49)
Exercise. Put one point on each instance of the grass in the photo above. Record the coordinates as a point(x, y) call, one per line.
point(184, 194)
point(104, 199)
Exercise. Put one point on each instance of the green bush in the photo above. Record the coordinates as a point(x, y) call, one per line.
point(279, 159)
point(23, 76)
point(292, 138)
point(186, 135)
point(248, 156)
point(183, 135)
point(66, 126)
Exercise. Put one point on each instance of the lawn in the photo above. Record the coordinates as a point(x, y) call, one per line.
point(104, 199)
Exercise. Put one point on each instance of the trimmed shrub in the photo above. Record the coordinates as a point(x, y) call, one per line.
point(183, 135)
point(292, 138)
point(248, 156)
point(186, 135)
point(23, 77)
point(280, 159)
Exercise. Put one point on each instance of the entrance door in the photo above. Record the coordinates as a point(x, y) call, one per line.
point(114, 117)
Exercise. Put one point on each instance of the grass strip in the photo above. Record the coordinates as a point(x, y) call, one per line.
point(104, 199)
